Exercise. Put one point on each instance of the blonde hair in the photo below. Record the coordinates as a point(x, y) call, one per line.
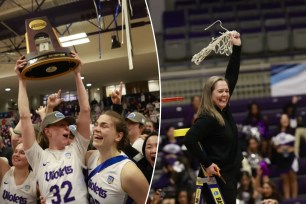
point(207, 105)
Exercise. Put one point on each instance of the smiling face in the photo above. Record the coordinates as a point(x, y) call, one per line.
point(267, 190)
point(105, 134)
point(150, 149)
point(284, 121)
point(58, 134)
point(18, 158)
point(220, 94)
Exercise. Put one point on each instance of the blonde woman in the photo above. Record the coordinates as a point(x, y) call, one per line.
point(59, 167)
point(213, 138)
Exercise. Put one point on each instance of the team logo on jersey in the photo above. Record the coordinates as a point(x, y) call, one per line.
point(68, 155)
point(27, 187)
point(110, 179)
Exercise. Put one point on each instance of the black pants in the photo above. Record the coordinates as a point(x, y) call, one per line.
point(228, 191)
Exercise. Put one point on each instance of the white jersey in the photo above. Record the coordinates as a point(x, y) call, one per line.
point(105, 186)
point(23, 194)
point(59, 172)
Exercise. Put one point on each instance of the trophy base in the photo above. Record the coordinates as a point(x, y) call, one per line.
point(49, 65)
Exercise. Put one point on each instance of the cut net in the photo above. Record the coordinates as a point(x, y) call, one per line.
point(221, 45)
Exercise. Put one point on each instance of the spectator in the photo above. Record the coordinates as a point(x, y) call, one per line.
point(5, 151)
point(284, 158)
point(246, 191)
point(269, 191)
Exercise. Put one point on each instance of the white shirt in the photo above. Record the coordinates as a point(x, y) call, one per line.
point(59, 172)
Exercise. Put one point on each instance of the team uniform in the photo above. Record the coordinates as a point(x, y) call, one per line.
point(59, 172)
point(11, 193)
point(105, 186)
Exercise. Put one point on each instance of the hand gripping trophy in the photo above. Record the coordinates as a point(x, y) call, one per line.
point(45, 57)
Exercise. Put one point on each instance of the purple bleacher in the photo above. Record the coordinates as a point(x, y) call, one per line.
point(302, 153)
point(184, 3)
point(298, 200)
point(270, 5)
point(198, 11)
point(220, 9)
point(178, 111)
point(174, 36)
point(204, 22)
point(275, 15)
point(302, 166)
point(198, 34)
point(243, 6)
point(302, 184)
point(239, 118)
point(166, 123)
point(294, 14)
point(173, 19)
point(275, 28)
point(250, 30)
point(290, 3)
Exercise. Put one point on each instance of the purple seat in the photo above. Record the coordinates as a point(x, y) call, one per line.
point(302, 166)
point(174, 111)
point(302, 184)
point(173, 19)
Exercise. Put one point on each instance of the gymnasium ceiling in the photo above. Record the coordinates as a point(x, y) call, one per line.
point(70, 17)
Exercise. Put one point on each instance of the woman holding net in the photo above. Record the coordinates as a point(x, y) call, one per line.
point(213, 138)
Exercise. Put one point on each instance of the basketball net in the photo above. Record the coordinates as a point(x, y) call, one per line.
point(220, 45)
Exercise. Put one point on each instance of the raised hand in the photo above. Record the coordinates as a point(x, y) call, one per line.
point(41, 111)
point(54, 99)
point(116, 95)
point(20, 63)
point(235, 38)
point(76, 56)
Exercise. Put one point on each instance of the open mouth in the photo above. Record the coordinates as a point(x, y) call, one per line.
point(153, 158)
point(96, 137)
point(66, 135)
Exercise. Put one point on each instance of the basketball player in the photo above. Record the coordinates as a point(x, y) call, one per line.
point(59, 167)
point(112, 176)
point(17, 183)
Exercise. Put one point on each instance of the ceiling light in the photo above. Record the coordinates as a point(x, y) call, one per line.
point(75, 42)
point(7, 89)
point(115, 42)
point(72, 37)
point(88, 84)
point(82, 78)
point(98, 89)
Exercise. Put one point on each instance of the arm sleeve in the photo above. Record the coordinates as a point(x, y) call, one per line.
point(193, 144)
point(233, 67)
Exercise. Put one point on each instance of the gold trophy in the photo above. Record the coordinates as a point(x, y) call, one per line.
point(45, 57)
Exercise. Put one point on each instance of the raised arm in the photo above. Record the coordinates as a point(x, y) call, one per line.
point(27, 129)
point(233, 67)
point(116, 99)
point(53, 101)
point(84, 115)
point(4, 167)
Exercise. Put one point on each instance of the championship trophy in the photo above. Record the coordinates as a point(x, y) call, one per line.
point(45, 57)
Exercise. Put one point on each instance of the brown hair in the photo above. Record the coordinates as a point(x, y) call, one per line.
point(207, 105)
point(42, 140)
point(120, 126)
